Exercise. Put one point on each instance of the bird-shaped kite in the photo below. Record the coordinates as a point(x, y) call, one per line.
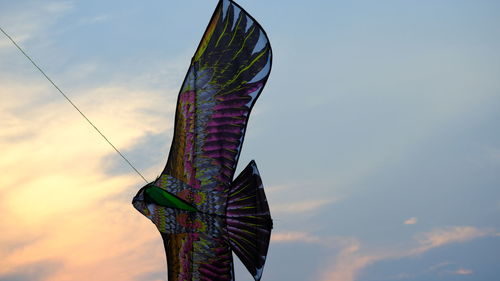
point(204, 215)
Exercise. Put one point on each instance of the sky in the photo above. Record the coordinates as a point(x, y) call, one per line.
point(376, 137)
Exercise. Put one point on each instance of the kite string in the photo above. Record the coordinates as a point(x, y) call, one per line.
point(69, 100)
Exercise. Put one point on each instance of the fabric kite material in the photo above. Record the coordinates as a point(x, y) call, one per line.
point(202, 213)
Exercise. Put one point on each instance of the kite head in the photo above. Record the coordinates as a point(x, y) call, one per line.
point(172, 214)
point(151, 196)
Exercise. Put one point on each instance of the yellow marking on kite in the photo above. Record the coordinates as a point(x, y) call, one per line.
point(208, 36)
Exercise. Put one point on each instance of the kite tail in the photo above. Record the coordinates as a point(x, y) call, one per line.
point(249, 220)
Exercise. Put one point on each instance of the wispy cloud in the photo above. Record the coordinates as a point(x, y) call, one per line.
point(287, 237)
point(412, 220)
point(400, 276)
point(439, 265)
point(352, 259)
point(305, 206)
point(463, 271)
point(447, 235)
point(32, 272)
point(94, 20)
point(291, 200)
point(305, 237)
point(24, 21)
point(58, 7)
point(349, 263)
point(56, 200)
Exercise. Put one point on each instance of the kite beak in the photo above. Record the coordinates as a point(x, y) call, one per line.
point(140, 204)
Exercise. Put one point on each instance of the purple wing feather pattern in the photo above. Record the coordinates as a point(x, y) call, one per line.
point(201, 213)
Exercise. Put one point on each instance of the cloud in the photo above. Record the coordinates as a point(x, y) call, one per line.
point(305, 206)
point(349, 263)
point(463, 271)
point(287, 237)
point(353, 258)
point(57, 201)
point(291, 200)
point(58, 7)
point(9, 243)
point(304, 237)
point(152, 276)
point(94, 20)
point(412, 220)
point(400, 276)
point(439, 265)
point(147, 151)
point(36, 271)
point(447, 235)
point(24, 21)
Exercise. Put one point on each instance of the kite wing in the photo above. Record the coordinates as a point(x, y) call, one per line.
point(226, 76)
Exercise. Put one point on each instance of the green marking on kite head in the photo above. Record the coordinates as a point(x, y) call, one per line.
point(164, 198)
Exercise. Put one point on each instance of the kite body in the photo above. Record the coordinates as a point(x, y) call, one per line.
point(202, 213)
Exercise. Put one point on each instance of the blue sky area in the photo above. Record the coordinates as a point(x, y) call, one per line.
point(376, 136)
